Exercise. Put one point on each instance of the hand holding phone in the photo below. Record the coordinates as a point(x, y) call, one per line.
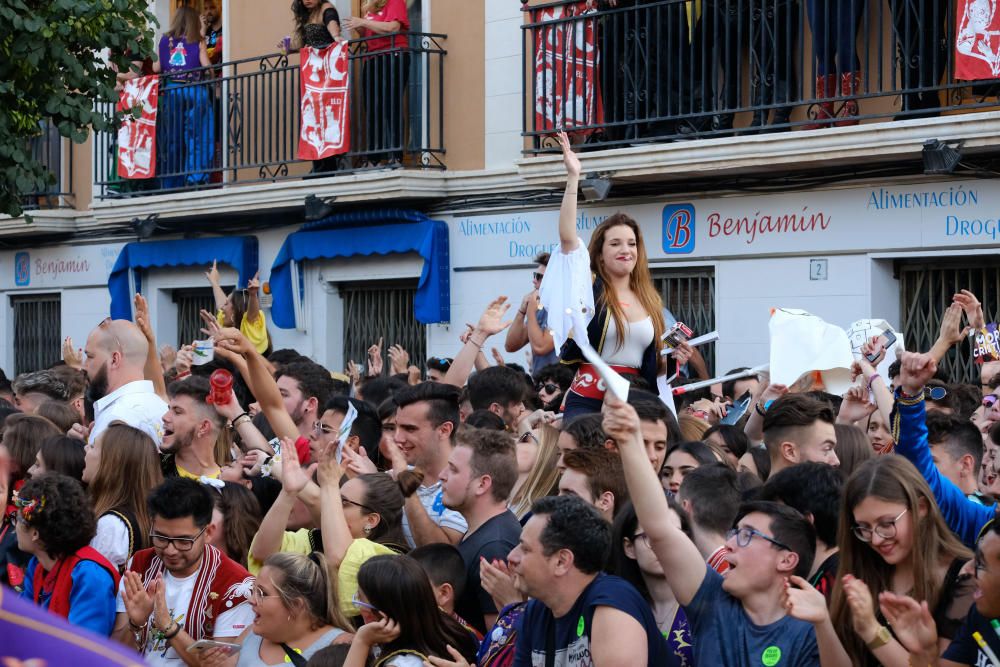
point(205, 644)
point(879, 346)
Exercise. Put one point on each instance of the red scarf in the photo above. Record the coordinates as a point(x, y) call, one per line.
point(58, 582)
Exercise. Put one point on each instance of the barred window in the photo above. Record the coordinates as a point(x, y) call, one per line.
point(37, 331)
point(689, 293)
point(382, 309)
point(189, 303)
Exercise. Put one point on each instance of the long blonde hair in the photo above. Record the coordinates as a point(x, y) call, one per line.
point(544, 475)
point(640, 281)
point(308, 578)
point(129, 470)
point(895, 480)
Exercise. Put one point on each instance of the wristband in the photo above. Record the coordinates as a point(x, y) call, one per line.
point(138, 628)
point(473, 341)
point(240, 420)
point(872, 379)
point(181, 376)
point(173, 633)
point(759, 410)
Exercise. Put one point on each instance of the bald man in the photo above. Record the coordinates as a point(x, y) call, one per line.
point(114, 358)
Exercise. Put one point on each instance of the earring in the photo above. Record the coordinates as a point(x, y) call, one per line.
point(368, 530)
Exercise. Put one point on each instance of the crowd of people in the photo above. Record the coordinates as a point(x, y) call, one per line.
point(255, 508)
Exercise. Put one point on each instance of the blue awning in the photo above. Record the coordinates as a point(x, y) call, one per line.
point(379, 232)
point(239, 252)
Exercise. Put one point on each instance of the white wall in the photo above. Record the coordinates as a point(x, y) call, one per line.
point(503, 83)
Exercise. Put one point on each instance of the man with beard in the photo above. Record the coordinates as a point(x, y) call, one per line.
point(190, 429)
point(305, 387)
point(114, 357)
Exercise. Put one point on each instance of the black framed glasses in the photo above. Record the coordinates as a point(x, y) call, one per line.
point(641, 536)
point(550, 387)
point(745, 534)
point(344, 502)
point(884, 529)
point(180, 543)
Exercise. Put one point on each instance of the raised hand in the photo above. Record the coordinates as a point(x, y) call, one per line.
point(184, 358)
point(142, 318)
point(859, 600)
point(231, 409)
point(168, 356)
point(329, 471)
point(254, 285)
point(951, 325)
point(855, 406)
point(375, 359)
point(138, 601)
point(498, 581)
point(71, 355)
point(570, 159)
point(911, 621)
point(293, 477)
point(399, 359)
point(804, 602)
point(876, 346)
point(412, 375)
point(357, 462)
point(682, 353)
point(213, 274)
point(231, 339)
point(620, 420)
point(973, 309)
point(915, 370)
point(491, 321)
point(212, 326)
point(497, 357)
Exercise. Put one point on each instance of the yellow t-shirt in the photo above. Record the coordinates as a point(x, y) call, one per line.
point(347, 576)
point(255, 332)
point(181, 472)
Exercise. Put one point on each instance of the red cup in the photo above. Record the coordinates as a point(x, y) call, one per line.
point(222, 386)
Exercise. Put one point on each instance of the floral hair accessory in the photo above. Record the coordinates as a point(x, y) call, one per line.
point(29, 508)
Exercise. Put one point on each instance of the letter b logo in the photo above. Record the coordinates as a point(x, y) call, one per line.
point(678, 229)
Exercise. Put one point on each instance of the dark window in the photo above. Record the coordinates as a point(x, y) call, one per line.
point(37, 331)
point(689, 294)
point(382, 309)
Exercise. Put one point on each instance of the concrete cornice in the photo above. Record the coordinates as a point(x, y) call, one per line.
point(868, 144)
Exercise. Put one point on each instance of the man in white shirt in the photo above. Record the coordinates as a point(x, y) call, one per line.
point(115, 355)
point(425, 428)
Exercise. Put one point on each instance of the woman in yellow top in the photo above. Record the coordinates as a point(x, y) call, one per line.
point(241, 309)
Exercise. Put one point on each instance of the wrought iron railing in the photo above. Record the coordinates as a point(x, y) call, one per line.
point(245, 127)
point(633, 71)
point(47, 147)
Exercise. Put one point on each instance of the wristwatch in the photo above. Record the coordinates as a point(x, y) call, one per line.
point(882, 637)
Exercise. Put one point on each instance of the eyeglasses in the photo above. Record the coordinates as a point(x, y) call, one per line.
point(180, 543)
point(641, 536)
point(257, 595)
point(745, 534)
point(548, 387)
point(320, 427)
point(989, 400)
point(884, 529)
point(344, 502)
point(537, 276)
point(935, 393)
point(526, 436)
point(363, 605)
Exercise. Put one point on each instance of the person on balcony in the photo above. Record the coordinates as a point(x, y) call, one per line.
point(834, 25)
point(317, 25)
point(922, 47)
point(187, 131)
point(385, 71)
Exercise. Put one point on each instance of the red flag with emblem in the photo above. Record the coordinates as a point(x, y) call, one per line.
point(137, 137)
point(977, 40)
point(324, 121)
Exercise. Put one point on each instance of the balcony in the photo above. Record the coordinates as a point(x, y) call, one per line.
point(252, 134)
point(47, 148)
point(745, 78)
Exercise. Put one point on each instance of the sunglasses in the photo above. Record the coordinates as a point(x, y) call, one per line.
point(537, 276)
point(548, 387)
point(989, 400)
point(935, 393)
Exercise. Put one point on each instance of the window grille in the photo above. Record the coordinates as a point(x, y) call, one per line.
point(689, 294)
point(37, 331)
point(384, 310)
point(190, 302)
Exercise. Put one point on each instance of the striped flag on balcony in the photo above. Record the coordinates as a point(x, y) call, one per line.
point(137, 137)
point(325, 84)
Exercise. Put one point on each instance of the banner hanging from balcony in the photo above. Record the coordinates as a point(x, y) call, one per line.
point(137, 137)
point(567, 58)
point(324, 128)
point(977, 40)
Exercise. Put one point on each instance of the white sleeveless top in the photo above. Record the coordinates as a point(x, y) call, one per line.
point(250, 654)
point(638, 336)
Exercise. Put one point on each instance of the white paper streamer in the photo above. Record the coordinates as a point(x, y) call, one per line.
point(345, 429)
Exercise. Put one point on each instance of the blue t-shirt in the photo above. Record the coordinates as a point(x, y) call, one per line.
point(538, 362)
point(726, 637)
point(91, 600)
point(572, 631)
point(964, 649)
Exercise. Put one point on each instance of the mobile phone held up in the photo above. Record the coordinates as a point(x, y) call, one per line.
point(677, 334)
point(205, 644)
point(888, 339)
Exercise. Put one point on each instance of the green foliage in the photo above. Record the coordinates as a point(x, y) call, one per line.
point(55, 63)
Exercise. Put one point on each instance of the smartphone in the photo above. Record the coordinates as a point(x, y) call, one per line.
point(204, 644)
point(888, 340)
point(677, 334)
point(737, 409)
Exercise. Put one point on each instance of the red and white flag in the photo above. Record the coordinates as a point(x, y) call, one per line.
point(137, 138)
point(567, 86)
point(977, 40)
point(324, 128)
